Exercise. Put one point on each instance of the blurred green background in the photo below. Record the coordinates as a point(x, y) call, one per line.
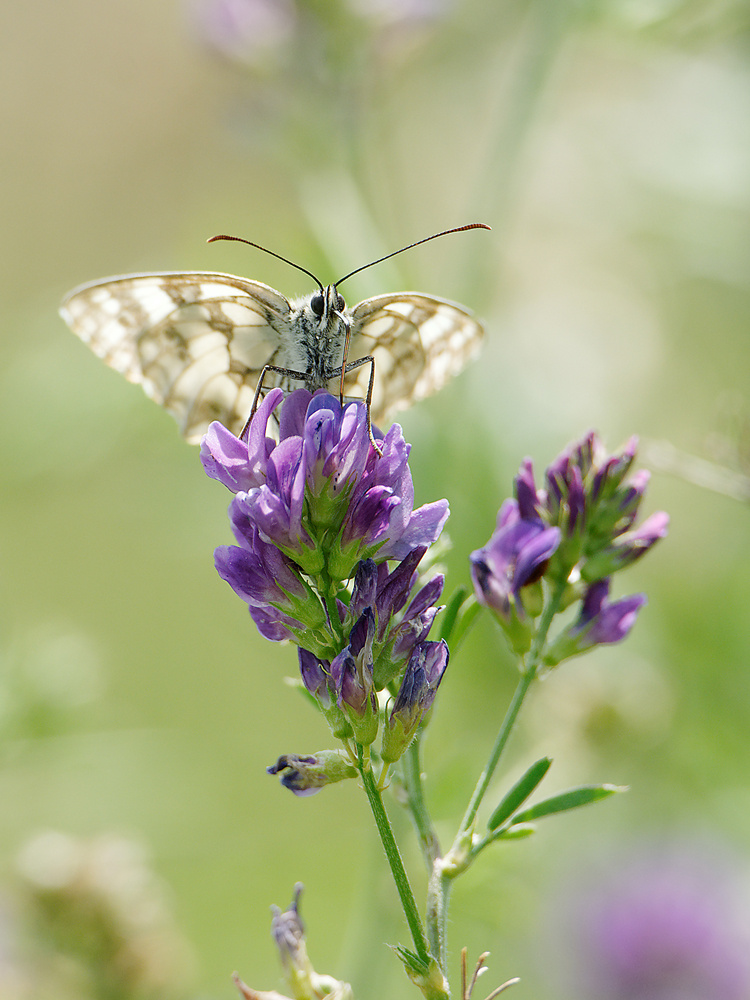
point(608, 145)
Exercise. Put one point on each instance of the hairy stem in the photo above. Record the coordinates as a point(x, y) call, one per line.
point(396, 864)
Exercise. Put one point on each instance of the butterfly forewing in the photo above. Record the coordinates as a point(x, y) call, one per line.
point(418, 342)
point(196, 342)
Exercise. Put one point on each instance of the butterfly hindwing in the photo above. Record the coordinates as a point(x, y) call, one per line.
point(195, 341)
point(418, 342)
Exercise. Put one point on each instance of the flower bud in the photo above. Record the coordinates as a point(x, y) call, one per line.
point(421, 680)
point(599, 623)
point(307, 775)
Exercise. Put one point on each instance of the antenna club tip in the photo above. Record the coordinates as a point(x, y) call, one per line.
point(213, 239)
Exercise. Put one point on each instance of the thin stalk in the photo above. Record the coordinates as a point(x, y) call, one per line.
point(438, 896)
point(442, 876)
point(501, 740)
point(528, 674)
point(412, 770)
point(396, 864)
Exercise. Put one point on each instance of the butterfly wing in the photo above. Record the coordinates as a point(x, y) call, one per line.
point(196, 341)
point(418, 342)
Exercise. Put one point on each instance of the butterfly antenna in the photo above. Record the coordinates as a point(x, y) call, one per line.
point(239, 239)
point(458, 229)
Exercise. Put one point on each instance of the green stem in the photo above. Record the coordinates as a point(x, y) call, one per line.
point(438, 895)
point(528, 674)
point(461, 852)
point(501, 740)
point(394, 860)
point(412, 768)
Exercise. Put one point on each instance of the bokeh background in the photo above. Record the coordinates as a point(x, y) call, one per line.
point(608, 145)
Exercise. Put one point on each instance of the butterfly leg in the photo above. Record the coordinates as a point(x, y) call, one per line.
point(344, 367)
point(259, 388)
point(369, 360)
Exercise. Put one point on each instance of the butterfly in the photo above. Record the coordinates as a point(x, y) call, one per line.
point(203, 344)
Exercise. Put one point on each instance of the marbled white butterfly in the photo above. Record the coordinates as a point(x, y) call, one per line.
point(204, 344)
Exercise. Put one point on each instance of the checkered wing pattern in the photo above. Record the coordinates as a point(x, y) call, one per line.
point(418, 342)
point(195, 341)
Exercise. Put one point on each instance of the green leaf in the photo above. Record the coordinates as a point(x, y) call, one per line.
point(451, 613)
point(514, 832)
point(571, 799)
point(519, 793)
point(414, 964)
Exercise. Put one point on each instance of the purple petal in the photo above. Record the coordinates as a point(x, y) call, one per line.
point(525, 490)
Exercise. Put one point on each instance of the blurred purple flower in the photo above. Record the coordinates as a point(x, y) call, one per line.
point(669, 924)
point(246, 31)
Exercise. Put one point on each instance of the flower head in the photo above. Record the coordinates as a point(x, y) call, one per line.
point(573, 535)
point(322, 494)
point(328, 547)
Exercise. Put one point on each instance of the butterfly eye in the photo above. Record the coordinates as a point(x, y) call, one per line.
point(340, 304)
point(317, 303)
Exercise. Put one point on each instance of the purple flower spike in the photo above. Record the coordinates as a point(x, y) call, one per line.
point(322, 494)
point(421, 680)
point(588, 498)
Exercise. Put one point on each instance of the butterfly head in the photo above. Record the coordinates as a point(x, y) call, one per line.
point(328, 308)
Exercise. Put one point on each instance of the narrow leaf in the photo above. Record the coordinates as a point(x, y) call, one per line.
point(412, 962)
point(514, 832)
point(571, 799)
point(451, 613)
point(519, 793)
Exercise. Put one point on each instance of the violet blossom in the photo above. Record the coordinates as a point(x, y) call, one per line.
point(322, 494)
point(319, 517)
point(573, 535)
point(515, 557)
